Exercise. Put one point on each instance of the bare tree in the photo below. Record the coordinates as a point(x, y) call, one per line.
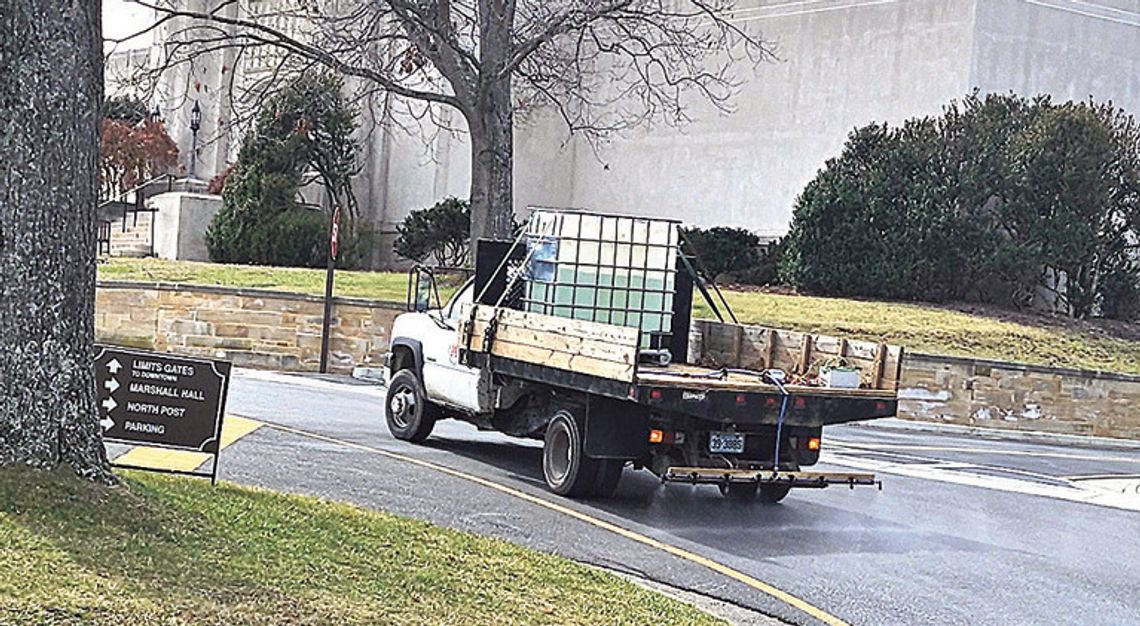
point(51, 93)
point(603, 65)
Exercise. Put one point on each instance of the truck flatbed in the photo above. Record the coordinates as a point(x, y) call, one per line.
point(680, 375)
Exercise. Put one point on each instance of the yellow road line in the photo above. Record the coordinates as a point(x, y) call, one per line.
point(693, 557)
point(233, 428)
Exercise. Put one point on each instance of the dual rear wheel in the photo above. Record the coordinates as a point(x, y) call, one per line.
point(567, 469)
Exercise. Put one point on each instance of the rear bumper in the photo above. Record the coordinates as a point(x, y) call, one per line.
point(807, 480)
point(763, 408)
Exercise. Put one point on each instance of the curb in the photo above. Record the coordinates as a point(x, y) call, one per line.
point(1027, 436)
point(734, 614)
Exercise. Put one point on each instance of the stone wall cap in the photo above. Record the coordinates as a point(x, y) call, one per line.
point(1024, 367)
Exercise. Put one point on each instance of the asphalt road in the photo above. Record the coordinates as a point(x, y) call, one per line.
point(965, 531)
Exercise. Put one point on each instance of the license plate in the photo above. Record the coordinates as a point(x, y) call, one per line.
point(726, 443)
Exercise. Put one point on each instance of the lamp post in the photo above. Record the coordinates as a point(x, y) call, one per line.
point(195, 124)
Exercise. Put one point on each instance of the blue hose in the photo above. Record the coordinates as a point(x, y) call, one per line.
point(779, 421)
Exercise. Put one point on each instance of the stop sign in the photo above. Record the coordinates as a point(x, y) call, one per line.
point(334, 234)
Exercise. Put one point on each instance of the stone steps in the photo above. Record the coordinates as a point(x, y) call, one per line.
point(135, 240)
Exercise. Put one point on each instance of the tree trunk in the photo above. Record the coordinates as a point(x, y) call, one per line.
point(51, 91)
point(492, 176)
point(491, 125)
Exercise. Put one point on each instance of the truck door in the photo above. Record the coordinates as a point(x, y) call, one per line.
point(446, 380)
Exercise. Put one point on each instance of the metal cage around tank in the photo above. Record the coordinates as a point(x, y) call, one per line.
point(614, 269)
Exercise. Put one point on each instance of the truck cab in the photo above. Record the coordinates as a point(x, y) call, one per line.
point(424, 340)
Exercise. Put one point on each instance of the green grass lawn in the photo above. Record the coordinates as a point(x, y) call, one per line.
point(925, 328)
point(173, 551)
point(919, 327)
point(376, 285)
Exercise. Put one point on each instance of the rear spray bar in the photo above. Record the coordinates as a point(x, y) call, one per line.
point(807, 480)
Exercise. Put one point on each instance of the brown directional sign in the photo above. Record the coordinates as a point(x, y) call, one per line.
point(161, 400)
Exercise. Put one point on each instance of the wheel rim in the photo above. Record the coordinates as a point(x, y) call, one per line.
point(402, 406)
point(557, 453)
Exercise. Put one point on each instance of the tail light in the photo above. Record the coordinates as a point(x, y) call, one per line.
point(665, 437)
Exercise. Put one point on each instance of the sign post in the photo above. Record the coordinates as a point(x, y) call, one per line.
point(334, 244)
point(162, 401)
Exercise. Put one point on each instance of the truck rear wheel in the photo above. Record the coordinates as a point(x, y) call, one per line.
point(410, 416)
point(564, 464)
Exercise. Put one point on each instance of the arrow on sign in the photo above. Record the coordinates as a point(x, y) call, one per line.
point(111, 385)
point(107, 423)
point(110, 404)
point(114, 366)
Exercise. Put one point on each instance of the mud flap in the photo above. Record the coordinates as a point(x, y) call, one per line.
point(615, 429)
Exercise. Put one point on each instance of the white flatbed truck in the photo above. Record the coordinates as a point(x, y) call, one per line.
point(519, 350)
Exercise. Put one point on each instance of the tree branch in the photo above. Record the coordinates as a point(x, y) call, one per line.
point(268, 35)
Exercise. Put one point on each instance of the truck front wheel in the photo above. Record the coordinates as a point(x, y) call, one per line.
point(410, 417)
point(564, 464)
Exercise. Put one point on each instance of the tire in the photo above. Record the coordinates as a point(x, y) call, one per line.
point(410, 416)
point(609, 475)
point(740, 492)
point(564, 464)
point(772, 494)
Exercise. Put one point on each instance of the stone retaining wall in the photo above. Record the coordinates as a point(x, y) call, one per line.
point(995, 394)
point(251, 328)
point(282, 331)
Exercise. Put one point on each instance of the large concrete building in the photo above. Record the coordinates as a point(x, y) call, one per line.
point(841, 64)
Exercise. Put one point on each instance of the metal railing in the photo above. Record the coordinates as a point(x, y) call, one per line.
point(137, 203)
point(125, 204)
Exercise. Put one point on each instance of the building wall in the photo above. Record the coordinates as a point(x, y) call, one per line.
point(1071, 49)
point(282, 331)
point(204, 81)
point(841, 64)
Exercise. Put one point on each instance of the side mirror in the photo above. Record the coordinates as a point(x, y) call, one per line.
point(421, 286)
